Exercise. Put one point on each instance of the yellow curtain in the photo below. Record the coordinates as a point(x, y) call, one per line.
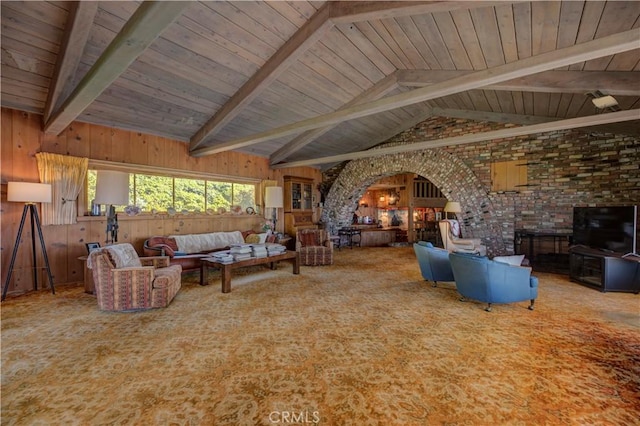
point(66, 175)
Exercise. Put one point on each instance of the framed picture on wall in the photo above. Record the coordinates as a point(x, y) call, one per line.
point(92, 246)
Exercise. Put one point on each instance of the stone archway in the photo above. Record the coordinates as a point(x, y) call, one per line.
point(455, 180)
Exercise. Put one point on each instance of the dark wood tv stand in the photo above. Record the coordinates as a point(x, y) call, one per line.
point(606, 271)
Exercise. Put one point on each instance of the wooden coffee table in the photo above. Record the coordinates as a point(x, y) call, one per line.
point(226, 268)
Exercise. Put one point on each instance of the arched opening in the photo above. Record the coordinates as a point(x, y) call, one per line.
point(407, 202)
point(453, 178)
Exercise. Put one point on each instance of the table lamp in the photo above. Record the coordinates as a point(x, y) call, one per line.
point(273, 199)
point(30, 194)
point(452, 207)
point(112, 189)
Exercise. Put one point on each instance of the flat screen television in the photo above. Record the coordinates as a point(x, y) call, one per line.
point(606, 228)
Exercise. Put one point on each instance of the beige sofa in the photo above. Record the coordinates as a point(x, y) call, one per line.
point(187, 250)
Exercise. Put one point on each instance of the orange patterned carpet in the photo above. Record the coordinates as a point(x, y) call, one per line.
point(363, 342)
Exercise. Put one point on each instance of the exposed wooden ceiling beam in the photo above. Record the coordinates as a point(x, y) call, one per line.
point(79, 24)
point(298, 44)
point(376, 91)
point(572, 123)
point(496, 117)
point(423, 112)
point(344, 12)
point(622, 83)
point(330, 14)
point(604, 46)
point(146, 24)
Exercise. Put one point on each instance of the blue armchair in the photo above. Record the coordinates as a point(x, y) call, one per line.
point(434, 262)
point(491, 281)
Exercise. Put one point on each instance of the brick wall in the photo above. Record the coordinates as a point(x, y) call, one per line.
point(565, 169)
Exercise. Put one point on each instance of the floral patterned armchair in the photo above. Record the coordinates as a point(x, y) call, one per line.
point(126, 282)
point(314, 246)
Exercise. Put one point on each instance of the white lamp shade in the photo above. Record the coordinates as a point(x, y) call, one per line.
point(112, 188)
point(452, 207)
point(273, 197)
point(26, 192)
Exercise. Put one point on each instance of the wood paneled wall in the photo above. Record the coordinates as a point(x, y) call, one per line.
point(22, 138)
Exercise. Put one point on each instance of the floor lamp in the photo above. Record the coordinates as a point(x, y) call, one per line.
point(273, 199)
point(30, 194)
point(450, 207)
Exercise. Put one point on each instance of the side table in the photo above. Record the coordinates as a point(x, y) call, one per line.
point(89, 287)
point(286, 241)
point(349, 233)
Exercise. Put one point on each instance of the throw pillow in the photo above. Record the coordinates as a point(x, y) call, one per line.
point(308, 239)
point(252, 239)
point(124, 255)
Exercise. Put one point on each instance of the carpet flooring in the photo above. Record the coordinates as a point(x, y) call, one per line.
point(365, 341)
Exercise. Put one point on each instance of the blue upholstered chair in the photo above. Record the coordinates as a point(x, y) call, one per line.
point(434, 262)
point(491, 281)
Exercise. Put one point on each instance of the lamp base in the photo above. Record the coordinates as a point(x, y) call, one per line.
point(35, 226)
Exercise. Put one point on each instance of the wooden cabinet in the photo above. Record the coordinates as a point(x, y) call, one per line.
point(298, 204)
point(604, 271)
point(298, 194)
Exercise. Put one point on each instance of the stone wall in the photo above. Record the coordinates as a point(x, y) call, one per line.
point(565, 169)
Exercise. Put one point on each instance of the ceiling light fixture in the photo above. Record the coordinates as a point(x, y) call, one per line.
point(604, 102)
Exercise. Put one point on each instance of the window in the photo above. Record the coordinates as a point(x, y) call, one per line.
point(153, 192)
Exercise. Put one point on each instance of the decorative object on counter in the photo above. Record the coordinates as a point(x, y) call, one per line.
point(222, 210)
point(171, 211)
point(95, 208)
point(132, 210)
point(394, 198)
point(30, 194)
point(236, 209)
point(452, 207)
point(273, 199)
point(250, 210)
point(268, 226)
point(112, 189)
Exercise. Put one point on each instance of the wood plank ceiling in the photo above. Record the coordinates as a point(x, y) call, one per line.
point(304, 81)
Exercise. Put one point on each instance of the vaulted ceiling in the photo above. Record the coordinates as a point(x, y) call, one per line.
point(314, 82)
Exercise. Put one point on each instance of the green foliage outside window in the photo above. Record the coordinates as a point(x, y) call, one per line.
point(159, 193)
point(153, 192)
point(219, 195)
point(189, 195)
point(244, 195)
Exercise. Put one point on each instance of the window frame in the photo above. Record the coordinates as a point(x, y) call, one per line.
point(83, 199)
